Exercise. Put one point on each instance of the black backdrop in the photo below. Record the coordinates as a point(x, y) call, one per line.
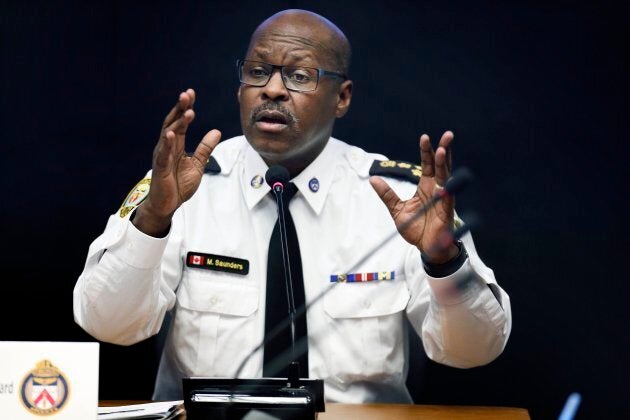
point(534, 91)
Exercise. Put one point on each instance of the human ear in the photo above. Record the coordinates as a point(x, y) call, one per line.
point(344, 96)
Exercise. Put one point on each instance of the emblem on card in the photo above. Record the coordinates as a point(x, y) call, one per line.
point(44, 390)
point(135, 196)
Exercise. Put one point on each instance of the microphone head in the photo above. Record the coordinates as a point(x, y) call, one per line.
point(460, 179)
point(277, 174)
point(471, 222)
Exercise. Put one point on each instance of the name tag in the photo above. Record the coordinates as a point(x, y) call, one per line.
point(217, 263)
point(42, 379)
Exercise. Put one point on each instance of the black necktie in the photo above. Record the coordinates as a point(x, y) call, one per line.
point(277, 309)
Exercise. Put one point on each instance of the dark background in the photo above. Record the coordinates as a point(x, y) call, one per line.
point(534, 91)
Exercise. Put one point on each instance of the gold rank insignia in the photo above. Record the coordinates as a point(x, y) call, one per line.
point(135, 197)
point(397, 169)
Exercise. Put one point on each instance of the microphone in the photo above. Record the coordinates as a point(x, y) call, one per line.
point(277, 178)
point(570, 407)
point(459, 180)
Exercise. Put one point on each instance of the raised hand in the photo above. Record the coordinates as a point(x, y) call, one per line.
point(176, 174)
point(426, 232)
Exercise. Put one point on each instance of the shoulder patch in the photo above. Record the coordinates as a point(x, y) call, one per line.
point(212, 167)
point(397, 169)
point(135, 197)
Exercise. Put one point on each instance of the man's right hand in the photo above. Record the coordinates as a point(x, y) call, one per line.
point(176, 175)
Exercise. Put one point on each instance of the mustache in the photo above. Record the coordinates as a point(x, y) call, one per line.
point(273, 106)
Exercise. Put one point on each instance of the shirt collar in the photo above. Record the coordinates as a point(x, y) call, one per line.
point(254, 185)
point(314, 182)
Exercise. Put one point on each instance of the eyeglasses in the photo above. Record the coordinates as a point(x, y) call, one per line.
point(299, 79)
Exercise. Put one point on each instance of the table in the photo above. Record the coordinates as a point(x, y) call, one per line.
point(336, 411)
point(420, 412)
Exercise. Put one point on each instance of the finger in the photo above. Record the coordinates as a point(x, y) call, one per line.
point(448, 205)
point(176, 122)
point(386, 194)
point(163, 153)
point(184, 102)
point(172, 140)
point(446, 209)
point(445, 141)
point(205, 147)
point(193, 97)
point(427, 156)
point(187, 99)
point(180, 125)
point(441, 167)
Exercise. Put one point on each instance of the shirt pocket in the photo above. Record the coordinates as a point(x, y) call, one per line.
point(211, 307)
point(366, 340)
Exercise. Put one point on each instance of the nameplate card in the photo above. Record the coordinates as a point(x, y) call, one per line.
point(54, 380)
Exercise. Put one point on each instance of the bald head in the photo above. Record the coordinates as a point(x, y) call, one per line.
point(310, 29)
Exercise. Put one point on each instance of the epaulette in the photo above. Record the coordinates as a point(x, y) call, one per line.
point(212, 167)
point(397, 169)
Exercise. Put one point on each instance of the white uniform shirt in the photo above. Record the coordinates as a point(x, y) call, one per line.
point(356, 336)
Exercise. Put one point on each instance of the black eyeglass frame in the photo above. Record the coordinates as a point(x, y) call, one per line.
point(320, 73)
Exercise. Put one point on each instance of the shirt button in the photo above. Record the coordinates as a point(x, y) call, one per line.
point(367, 304)
point(214, 300)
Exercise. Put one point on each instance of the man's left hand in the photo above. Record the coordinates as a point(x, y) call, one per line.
point(428, 231)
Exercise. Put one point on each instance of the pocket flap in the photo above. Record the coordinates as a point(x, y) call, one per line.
point(360, 300)
point(207, 292)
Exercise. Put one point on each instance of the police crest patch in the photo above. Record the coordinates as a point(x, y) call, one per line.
point(44, 390)
point(135, 197)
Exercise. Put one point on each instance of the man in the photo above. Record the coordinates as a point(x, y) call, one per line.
point(213, 206)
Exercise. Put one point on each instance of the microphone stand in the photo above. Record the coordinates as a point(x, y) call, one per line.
point(294, 366)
